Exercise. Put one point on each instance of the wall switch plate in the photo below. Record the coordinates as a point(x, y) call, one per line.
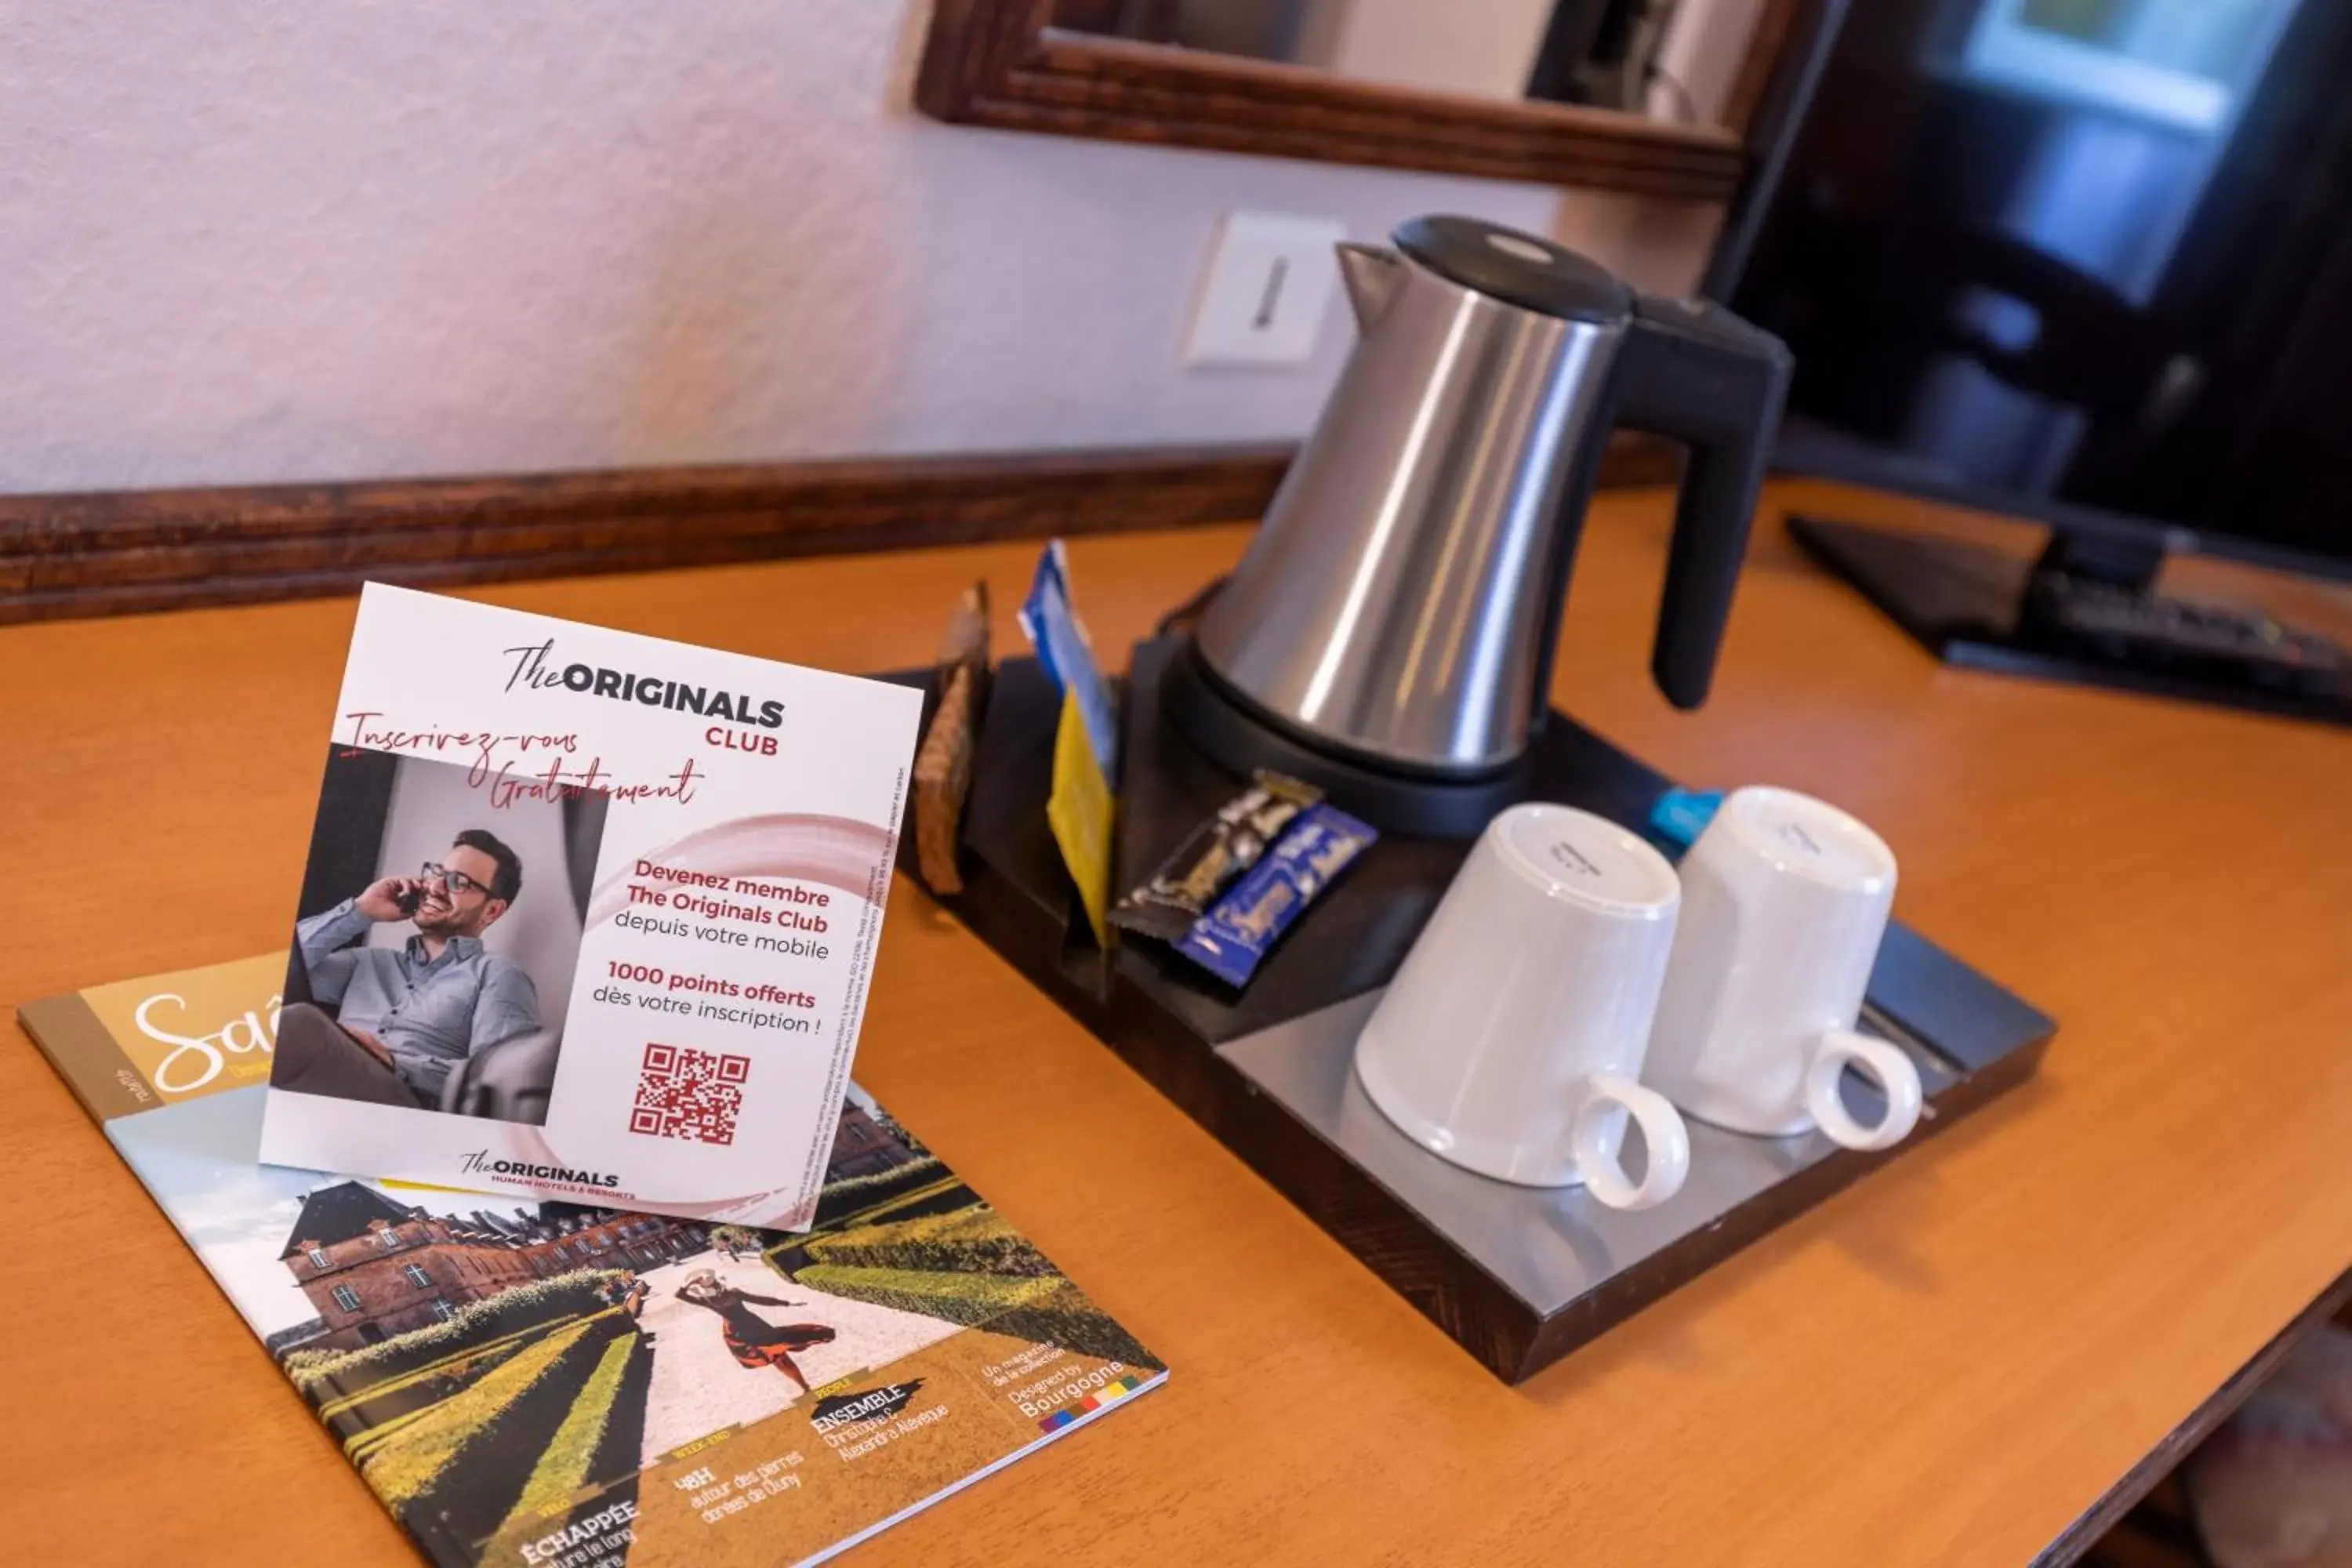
point(1268, 288)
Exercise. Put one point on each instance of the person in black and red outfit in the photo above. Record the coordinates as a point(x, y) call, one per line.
point(752, 1339)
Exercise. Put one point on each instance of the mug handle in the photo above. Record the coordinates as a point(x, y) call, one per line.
point(1884, 1065)
point(1596, 1153)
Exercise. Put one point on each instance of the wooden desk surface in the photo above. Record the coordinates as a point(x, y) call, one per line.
point(1948, 1362)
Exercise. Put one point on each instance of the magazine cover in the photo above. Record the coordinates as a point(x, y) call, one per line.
point(584, 908)
point(546, 1384)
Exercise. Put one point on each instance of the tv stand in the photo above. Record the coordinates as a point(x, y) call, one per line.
point(2084, 614)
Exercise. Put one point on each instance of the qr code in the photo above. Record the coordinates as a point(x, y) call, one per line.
point(691, 1094)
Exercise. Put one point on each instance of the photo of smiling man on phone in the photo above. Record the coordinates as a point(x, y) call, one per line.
point(405, 1017)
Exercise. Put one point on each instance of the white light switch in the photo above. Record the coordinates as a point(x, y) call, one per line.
point(1268, 291)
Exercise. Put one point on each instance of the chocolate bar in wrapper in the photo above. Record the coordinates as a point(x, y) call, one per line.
point(1215, 853)
point(1232, 939)
point(943, 763)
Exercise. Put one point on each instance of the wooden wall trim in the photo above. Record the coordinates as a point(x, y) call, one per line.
point(117, 552)
point(110, 552)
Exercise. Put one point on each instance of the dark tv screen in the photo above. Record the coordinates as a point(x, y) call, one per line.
point(2081, 259)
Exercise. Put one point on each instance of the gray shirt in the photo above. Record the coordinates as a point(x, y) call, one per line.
point(430, 1013)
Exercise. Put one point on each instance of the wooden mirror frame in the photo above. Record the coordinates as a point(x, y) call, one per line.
point(1022, 65)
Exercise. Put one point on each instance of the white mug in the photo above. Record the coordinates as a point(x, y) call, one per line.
point(1785, 900)
point(1511, 1041)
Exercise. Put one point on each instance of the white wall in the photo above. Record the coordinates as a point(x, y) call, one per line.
point(431, 805)
point(246, 240)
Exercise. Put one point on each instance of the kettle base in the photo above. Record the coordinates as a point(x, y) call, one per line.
point(1235, 736)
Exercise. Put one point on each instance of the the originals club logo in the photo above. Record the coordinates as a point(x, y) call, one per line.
point(534, 667)
point(479, 1163)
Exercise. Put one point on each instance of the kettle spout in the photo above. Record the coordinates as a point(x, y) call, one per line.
point(1372, 273)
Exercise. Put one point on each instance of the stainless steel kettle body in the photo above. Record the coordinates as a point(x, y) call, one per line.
point(1401, 602)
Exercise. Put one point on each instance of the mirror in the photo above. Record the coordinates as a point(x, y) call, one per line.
point(1635, 56)
point(1646, 97)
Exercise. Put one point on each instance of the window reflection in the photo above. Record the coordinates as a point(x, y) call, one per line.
point(2185, 63)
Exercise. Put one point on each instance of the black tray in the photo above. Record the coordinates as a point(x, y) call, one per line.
point(1519, 1276)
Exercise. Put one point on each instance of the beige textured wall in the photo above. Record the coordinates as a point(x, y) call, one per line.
point(246, 240)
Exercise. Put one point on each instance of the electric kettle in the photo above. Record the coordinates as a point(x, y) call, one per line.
point(1396, 613)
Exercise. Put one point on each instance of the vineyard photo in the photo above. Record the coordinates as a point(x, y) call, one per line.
point(492, 1373)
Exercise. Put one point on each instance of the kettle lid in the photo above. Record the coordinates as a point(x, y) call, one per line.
point(1514, 268)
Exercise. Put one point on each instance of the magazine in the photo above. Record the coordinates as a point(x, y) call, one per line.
point(545, 1384)
point(587, 916)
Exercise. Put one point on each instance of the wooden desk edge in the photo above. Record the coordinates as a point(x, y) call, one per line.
point(2159, 1462)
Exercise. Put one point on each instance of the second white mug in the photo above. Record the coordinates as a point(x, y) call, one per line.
point(1785, 901)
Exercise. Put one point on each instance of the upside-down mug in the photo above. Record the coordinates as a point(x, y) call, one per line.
point(1511, 1041)
point(1785, 900)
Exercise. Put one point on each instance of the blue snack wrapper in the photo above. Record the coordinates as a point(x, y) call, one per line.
point(1240, 928)
point(1052, 625)
point(1681, 815)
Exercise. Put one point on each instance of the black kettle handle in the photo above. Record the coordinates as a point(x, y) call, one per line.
point(1696, 374)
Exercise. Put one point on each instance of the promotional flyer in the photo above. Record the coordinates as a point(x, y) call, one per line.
point(573, 1385)
point(586, 915)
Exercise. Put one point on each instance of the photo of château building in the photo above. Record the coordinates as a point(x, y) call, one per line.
point(864, 1146)
point(375, 1267)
